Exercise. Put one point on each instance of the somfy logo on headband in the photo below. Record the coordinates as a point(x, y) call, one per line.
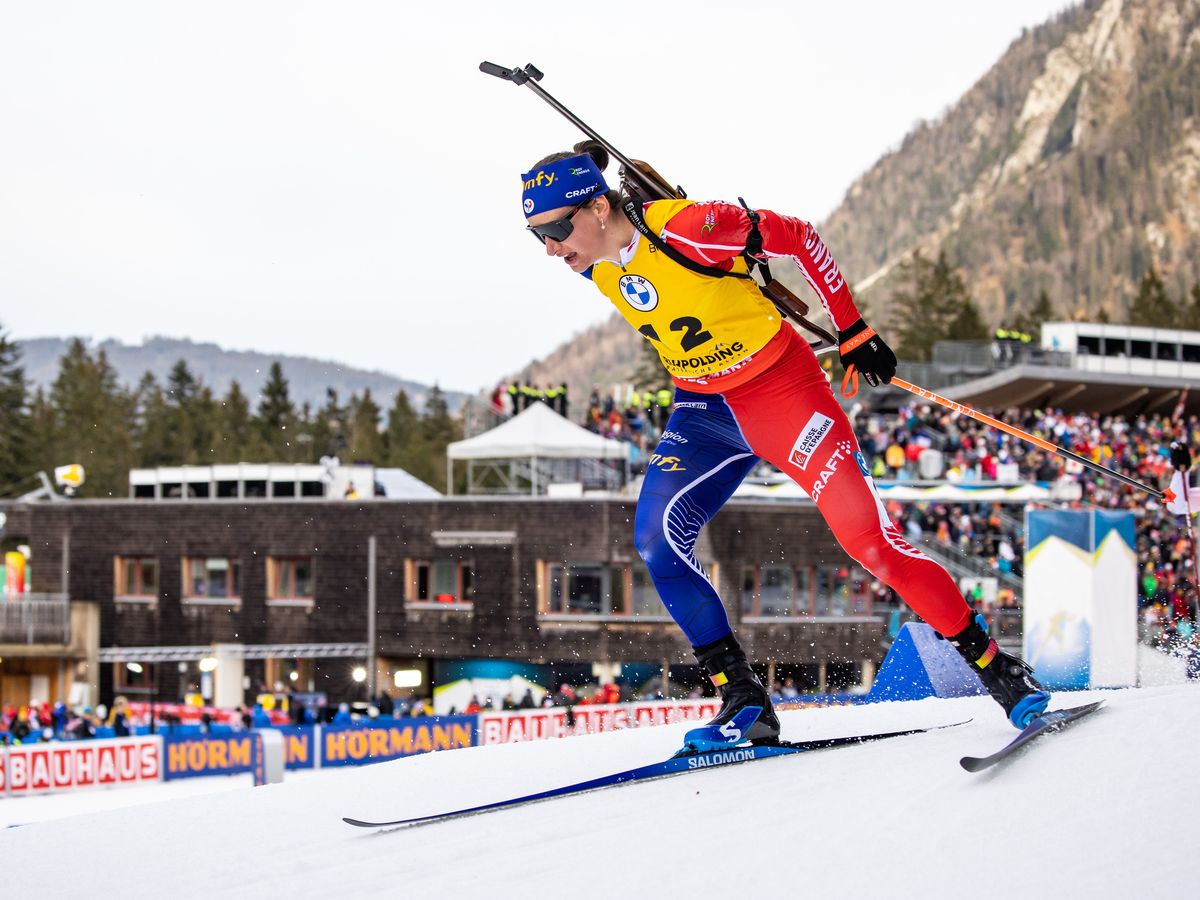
point(563, 182)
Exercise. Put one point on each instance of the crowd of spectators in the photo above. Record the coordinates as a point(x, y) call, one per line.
point(629, 414)
point(926, 442)
point(1137, 447)
point(39, 721)
point(517, 396)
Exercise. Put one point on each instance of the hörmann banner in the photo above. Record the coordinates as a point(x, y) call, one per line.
point(353, 745)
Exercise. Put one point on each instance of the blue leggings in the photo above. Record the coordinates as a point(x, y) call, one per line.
point(698, 464)
point(788, 416)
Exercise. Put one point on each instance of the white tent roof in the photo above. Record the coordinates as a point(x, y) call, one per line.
point(538, 431)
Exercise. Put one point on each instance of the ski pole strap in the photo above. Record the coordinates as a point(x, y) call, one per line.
point(857, 341)
point(850, 381)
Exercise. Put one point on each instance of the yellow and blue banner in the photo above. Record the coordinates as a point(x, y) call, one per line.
point(379, 741)
point(193, 757)
point(1080, 603)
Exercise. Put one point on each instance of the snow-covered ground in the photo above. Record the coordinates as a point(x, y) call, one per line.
point(1103, 808)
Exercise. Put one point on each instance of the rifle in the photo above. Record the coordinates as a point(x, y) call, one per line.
point(640, 182)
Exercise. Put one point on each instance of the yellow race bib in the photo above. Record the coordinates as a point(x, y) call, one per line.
point(700, 325)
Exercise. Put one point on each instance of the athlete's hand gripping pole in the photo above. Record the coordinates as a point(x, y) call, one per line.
point(646, 181)
point(1164, 496)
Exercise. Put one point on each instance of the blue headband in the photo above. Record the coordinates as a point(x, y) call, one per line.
point(567, 182)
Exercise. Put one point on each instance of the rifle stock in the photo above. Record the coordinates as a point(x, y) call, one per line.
point(647, 182)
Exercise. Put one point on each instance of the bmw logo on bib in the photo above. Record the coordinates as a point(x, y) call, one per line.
point(638, 292)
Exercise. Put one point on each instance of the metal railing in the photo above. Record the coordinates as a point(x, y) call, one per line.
point(963, 565)
point(35, 619)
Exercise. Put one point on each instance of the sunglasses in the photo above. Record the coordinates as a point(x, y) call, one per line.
point(559, 229)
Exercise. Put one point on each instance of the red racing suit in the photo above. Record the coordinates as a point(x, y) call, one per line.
point(771, 402)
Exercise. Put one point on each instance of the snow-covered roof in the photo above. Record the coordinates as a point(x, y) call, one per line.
point(397, 483)
point(538, 431)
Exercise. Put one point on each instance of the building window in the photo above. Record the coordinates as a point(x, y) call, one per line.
point(134, 678)
point(290, 578)
point(597, 589)
point(768, 591)
point(776, 591)
point(212, 578)
point(135, 577)
point(441, 581)
point(579, 588)
point(644, 599)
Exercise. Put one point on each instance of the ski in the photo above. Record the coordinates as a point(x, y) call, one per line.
point(1046, 723)
point(676, 765)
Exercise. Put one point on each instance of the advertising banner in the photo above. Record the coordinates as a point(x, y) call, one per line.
point(1080, 604)
point(67, 765)
point(299, 746)
point(539, 724)
point(352, 745)
point(192, 757)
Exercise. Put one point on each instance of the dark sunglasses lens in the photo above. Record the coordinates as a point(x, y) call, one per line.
point(558, 230)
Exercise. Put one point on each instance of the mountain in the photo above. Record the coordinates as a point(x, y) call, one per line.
point(1072, 166)
point(307, 377)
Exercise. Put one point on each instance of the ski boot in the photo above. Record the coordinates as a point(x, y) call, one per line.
point(1008, 679)
point(746, 713)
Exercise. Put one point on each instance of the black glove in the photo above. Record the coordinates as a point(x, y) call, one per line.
point(1181, 456)
point(862, 348)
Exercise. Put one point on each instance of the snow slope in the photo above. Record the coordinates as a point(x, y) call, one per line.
point(1096, 808)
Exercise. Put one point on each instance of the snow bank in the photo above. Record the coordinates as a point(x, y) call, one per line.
point(1079, 812)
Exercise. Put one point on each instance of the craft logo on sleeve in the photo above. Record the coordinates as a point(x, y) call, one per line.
point(810, 439)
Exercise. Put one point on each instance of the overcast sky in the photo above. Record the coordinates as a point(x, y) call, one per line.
point(339, 180)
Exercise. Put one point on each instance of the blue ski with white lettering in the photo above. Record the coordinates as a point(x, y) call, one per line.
point(1046, 723)
point(676, 765)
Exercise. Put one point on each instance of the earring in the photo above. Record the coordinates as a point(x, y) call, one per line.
point(601, 224)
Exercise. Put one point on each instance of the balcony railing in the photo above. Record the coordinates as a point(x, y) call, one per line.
point(35, 619)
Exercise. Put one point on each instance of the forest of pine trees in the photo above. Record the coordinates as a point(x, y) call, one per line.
point(88, 417)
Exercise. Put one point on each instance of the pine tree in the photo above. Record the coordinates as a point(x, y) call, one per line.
point(155, 430)
point(15, 460)
point(235, 439)
point(204, 414)
point(1032, 320)
point(42, 436)
point(967, 324)
point(931, 304)
point(180, 394)
point(367, 444)
point(1151, 306)
point(95, 420)
point(330, 427)
point(435, 431)
point(401, 432)
point(276, 418)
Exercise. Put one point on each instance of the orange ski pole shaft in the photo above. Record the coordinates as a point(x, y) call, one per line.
point(1031, 438)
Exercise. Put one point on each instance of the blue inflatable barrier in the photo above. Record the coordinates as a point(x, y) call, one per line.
point(923, 664)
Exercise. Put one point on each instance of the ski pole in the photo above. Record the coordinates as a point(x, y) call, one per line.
point(1164, 496)
point(644, 177)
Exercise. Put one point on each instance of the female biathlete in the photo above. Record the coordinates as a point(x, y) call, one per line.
point(746, 387)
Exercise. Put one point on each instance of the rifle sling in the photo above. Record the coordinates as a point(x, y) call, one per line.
point(752, 253)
